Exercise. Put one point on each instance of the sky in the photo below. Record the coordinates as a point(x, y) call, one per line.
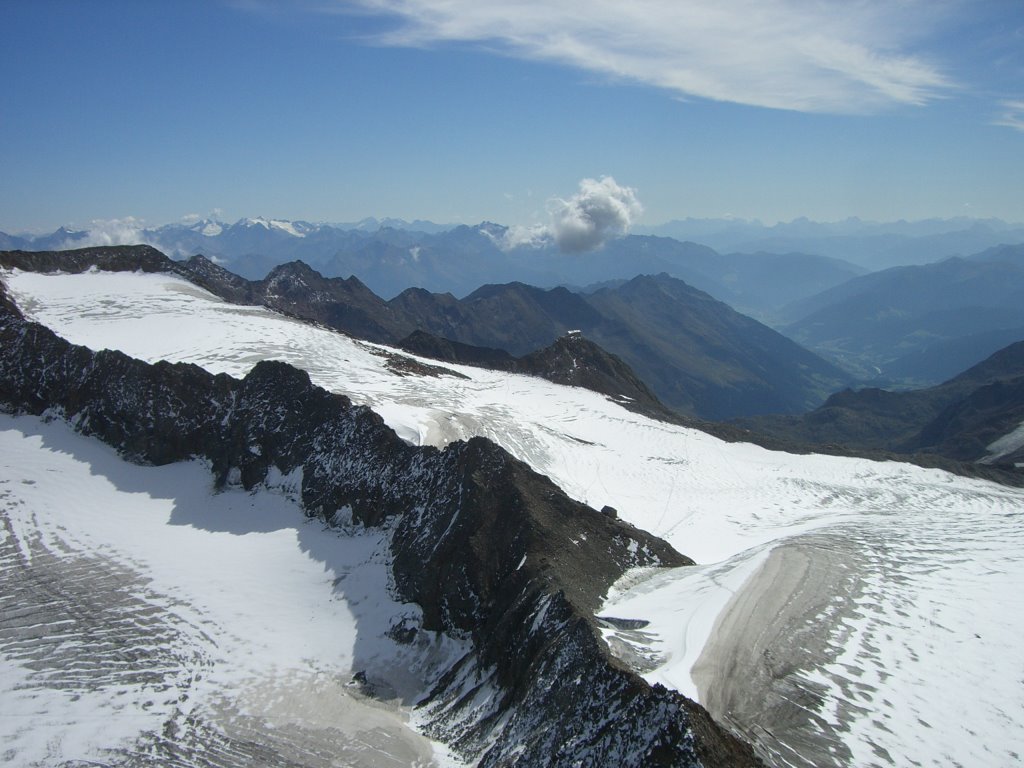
point(469, 110)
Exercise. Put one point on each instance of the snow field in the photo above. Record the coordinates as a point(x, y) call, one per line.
point(924, 568)
point(244, 612)
point(1005, 445)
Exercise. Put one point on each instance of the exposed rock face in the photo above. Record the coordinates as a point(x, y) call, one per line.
point(121, 258)
point(489, 549)
point(439, 348)
point(578, 362)
point(572, 360)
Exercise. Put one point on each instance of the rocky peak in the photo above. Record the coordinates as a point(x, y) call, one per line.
point(576, 361)
point(217, 280)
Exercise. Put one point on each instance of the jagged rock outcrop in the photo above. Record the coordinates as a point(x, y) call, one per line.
point(439, 348)
point(488, 548)
point(572, 360)
point(576, 361)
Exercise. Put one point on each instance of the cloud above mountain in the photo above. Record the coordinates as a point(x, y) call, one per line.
point(125, 231)
point(834, 57)
point(599, 210)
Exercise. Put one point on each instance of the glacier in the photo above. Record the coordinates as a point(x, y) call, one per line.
point(134, 597)
point(843, 612)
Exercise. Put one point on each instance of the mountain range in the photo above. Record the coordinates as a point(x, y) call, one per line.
point(653, 343)
point(972, 417)
point(870, 245)
point(399, 255)
point(497, 520)
point(696, 354)
point(917, 324)
point(806, 279)
point(486, 547)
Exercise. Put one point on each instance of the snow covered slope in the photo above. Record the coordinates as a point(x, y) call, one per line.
point(840, 601)
point(141, 612)
point(1007, 445)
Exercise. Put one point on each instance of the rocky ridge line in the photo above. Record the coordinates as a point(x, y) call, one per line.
point(350, 307)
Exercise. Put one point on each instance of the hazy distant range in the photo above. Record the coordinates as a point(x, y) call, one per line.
point(390, 255)
point(807, 279)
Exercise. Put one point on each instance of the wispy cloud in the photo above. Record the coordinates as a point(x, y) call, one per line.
point(785, 54)
point(1012, 115)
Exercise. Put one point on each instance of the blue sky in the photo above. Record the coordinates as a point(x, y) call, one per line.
point(466, 110)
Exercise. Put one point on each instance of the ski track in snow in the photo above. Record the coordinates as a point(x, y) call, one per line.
point(896, 593)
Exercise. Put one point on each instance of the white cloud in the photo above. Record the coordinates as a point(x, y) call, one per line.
point(126, 231)
point(1012, 115)
point(518, 235)
point(600, 210)
point(824, 56)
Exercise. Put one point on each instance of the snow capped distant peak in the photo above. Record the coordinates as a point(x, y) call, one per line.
point(287, 226)
point(248, 222)
point(491, 229)
point(207, 227)
point(293, 228)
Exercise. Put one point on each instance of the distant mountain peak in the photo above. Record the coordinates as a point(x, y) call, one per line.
point(293, 228)
point(208, 227)
point(371, 224)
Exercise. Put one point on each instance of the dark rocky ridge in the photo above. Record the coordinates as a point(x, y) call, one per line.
point(118, 258)
point(694, 354)
point(576, 361)
point(571, 360)
point(481, 542)
point(697, 355)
